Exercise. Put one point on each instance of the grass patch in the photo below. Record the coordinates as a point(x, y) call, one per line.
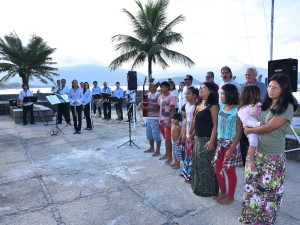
point(297, 130)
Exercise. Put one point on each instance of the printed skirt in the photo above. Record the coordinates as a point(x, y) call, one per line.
point(186, 171)
point(204, 180)
point(263, 191)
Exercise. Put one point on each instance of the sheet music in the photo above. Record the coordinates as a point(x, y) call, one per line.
point(53, 99)
point(65, 97)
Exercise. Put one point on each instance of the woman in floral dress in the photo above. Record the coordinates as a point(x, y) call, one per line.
point(263, 191)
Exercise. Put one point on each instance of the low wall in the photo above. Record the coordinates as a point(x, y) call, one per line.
point(292, 144)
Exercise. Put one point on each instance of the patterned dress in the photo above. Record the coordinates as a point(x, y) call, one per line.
point(189, 145)
point(263, 192)
point(204, 181)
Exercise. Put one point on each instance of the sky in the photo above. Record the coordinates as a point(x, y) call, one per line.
point(215, 32)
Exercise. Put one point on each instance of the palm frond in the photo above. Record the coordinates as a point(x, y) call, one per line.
point(116, 63)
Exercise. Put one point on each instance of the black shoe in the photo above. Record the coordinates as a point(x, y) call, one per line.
point(87, 128)
point(24, 124)
point(127, 121)
point(76, 132)
point(58, 123)
point(79, 132)
point(33, 123)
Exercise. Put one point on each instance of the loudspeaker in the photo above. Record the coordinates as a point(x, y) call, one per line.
point(132, 80)
point(285, 66)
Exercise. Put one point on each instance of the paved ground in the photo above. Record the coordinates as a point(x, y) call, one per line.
point(85, 179)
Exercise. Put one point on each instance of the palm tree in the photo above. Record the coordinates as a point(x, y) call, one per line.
point(29, 62)
point(153, 36)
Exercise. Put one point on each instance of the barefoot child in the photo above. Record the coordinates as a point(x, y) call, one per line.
point(228, 154)
point(250, 109)
point(166, 103)
point(191, 95)
point(175, 133)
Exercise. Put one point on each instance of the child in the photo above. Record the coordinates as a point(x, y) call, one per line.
point(191, 95)
point(175, 133)
point(167, 103)
point(250, 109)
point(228, 154)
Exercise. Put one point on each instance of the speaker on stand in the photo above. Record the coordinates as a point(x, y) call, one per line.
point(288, 67)
point(132, 80)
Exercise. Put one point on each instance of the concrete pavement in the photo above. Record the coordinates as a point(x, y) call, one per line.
point(85, 179)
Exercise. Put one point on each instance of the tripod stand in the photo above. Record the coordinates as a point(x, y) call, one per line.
point(55, 130)
point(129, 124)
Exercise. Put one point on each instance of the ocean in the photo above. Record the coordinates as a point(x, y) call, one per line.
point(48, 90)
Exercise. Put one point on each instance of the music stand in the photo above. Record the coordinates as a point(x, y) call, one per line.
point(130, 140)
point(55, 100)
point(30, 99)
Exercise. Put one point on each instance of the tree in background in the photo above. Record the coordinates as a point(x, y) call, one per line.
point(153, 36)
point(29, 62)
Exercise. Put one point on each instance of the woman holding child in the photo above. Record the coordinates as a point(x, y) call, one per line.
point(263, 191)
point(204, 181)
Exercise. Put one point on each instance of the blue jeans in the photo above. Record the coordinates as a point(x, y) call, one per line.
point(152, 130)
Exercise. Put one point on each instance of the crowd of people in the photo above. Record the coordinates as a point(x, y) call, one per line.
point(204, 129)
point(83, 100)
point(208, 132)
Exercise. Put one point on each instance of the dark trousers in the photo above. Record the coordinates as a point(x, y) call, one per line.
point(25, 110)
point(130, 111)
point(87, 114)
point(119, 109)
point(95, 108)
point(63, 109)
point(244, 142)
point(107, 110)
point(78, 117)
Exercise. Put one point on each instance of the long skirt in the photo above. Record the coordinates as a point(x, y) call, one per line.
point(186, 171)
point(204, 180)
point(263, 191)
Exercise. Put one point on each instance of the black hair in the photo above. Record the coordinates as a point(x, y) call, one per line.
point(84, 90)
point(117, 82)
point(285, 98)
point(172, 82)
point(194, 90)
point(231, 94)
point(166, 84)
point(177, 116)
point(190, 77)
point(213, 97)
point(183, 108)
point(250, 95)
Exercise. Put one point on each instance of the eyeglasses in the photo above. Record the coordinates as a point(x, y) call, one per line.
point(247, 75)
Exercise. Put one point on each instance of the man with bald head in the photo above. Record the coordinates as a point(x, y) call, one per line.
point(107, 104)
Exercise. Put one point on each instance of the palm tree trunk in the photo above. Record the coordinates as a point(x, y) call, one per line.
point(24, 78)
point(149, 67)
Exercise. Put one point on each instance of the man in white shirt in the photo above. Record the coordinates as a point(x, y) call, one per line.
point(107, 104)
point(188, 81)
point(26, 106)
point(118, 93)
point(55, 88)
point(96, 90)
point(226, 75)
point(63, 108)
